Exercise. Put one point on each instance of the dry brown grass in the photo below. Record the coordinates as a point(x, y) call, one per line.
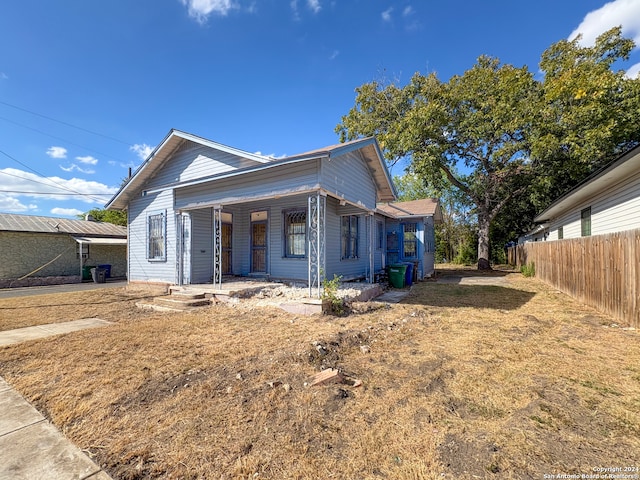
point(461, 380)
point(112, 304)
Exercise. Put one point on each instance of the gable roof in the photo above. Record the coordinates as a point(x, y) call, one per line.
point(368, 147)
point(616, 171)
point(155, 160)
point(425, 207)
point(36, 224)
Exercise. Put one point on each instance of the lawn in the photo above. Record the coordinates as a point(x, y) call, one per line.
point(458, 381)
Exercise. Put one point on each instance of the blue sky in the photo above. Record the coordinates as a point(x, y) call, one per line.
point(87, 88)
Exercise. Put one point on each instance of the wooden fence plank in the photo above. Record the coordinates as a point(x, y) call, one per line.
point(602, 271)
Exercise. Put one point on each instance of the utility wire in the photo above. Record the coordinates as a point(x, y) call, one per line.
point(56, 184)
point(66, 123)
point(50, 193)
point(60, 138)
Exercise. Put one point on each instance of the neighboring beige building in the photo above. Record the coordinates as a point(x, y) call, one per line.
point(38, 250)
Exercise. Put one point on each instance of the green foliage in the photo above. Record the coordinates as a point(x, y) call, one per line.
point(330, 292)
point(411, 187)
point(467, 254)
point(116, 217)
point(588, 114)
point(504, 140)
point(479, 119)
point(528, 270)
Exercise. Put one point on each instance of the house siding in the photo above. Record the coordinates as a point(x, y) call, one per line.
point(140, 268)
point(613, 210)
point(338, 175)
point(351, 267)
point(301, 175)
point(192, 161)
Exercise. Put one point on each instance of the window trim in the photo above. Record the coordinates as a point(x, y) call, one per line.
point(286, 214)
point(380, 233)
point(163, 237)
point(414, 241)
point(349, 240)
point(561, 232)
point(585, 222)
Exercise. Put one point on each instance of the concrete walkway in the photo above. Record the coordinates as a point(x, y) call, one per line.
point(63, 288)
point(9, 337)
point(30, 446)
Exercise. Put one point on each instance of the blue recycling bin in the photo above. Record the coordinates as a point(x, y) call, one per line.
point(408, 279)
point(107, 268)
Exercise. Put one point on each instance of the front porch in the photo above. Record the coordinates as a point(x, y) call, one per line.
point(259, 293)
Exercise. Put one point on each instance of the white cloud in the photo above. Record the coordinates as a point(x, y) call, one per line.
point(408, 11)
point(142, 150)
point(9, 203)
point(53, 188)
point(272, 155)
point(633, 71)
point(294, 8)
point(314, 5)
point(612, 14)
point(88, 160)
point(386, 15)
point(74, 167)
point(67, 212)
point(57, 152)
point(4, 76)
point(201, 9)
point(334, 54)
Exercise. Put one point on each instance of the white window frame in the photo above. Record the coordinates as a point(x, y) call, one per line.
point(157, 252)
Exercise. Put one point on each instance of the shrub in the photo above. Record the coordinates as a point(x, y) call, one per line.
point(528, 270)
point(330, 292)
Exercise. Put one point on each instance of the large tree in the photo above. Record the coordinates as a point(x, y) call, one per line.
point(589, 114)
point(477, 123)
point(507, 133)
point(116, 217)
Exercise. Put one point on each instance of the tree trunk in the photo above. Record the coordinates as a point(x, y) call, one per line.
point(483, 242)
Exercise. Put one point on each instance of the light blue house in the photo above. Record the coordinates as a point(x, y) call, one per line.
point(199, 210)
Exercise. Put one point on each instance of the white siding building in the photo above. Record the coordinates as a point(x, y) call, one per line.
point(606, 202)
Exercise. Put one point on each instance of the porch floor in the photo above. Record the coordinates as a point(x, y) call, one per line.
point(295, 299)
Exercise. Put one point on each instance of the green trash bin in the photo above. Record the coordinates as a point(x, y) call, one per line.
point(86, 272)
point(397, 275)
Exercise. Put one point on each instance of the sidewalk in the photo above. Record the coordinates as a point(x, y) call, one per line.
point(30, 446)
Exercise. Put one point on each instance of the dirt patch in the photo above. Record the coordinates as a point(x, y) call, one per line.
point(458, 381)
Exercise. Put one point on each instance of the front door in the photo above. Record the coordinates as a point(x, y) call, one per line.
point(225, 240)
point(259, 242)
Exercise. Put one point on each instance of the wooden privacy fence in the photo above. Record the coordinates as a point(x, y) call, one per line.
point(602, 271)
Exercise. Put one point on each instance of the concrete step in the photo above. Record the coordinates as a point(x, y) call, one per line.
point(178, 302)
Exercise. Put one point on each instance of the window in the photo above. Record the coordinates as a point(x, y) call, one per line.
point(410, 240)
point(585, 222)
point(84, 252)
point(560, 233)
point(380, 235)
point(156, 237)
point(295, 233)
point(349, 235)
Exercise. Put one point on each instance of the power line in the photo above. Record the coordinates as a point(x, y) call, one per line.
point(51, 193)
point(66, 123)
point(60, 138)
point(55, 184)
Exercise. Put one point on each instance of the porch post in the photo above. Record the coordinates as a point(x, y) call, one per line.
point(217, 247)
point(81, 259)
point(179, 249)
point(316, 250)
point(372, 233)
